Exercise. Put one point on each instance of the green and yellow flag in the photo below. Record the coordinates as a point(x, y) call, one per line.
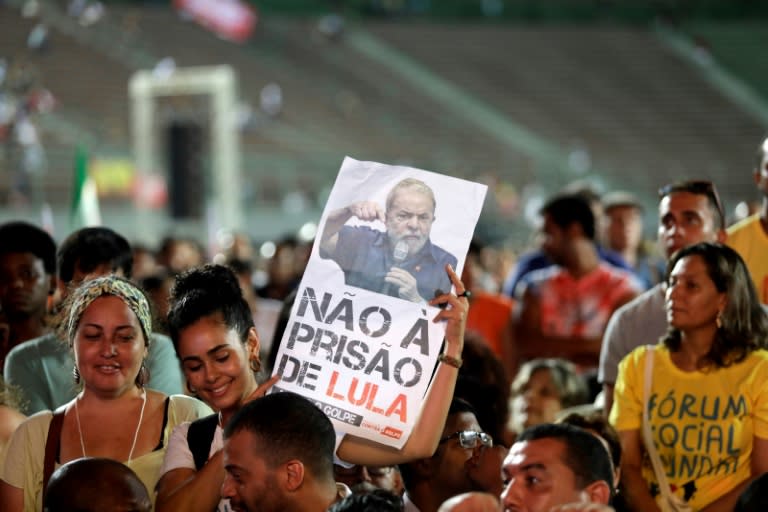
point(85, 200)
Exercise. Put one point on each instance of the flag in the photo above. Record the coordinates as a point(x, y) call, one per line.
point(85, 201)
point(46, 219)
point(229, 19)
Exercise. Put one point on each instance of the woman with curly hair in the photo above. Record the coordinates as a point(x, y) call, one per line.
point(706, 404)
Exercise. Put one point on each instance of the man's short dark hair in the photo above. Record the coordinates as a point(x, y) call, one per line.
point(377, 500)
point(568, 209)
point(584, 454)
point(287, 426)
point(702, 188)
point(599, 424)
point(88, 248)
point(76, 486)
point(20, 236)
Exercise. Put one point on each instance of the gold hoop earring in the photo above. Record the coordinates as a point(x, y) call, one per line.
point(719, 320)
point(255, 364)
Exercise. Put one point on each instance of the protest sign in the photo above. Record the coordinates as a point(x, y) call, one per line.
point(360, 341)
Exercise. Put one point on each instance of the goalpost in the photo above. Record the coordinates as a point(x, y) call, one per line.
point(219, 84)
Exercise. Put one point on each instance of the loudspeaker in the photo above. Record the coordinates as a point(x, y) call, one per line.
point(185, 170)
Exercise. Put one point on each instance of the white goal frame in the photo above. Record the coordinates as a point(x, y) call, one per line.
point(220, 84)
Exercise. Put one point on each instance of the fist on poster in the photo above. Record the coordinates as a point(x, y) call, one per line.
point(360, 341)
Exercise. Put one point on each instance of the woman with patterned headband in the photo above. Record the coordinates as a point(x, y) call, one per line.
point(106, 322)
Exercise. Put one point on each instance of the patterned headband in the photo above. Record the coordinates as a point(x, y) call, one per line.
point(108, 285)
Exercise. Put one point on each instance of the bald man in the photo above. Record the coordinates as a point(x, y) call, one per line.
point(471, 502)
point(94, 485)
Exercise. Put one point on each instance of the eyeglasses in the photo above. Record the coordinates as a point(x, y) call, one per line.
point(354, 471)
point(700, 187)
point(469, 438)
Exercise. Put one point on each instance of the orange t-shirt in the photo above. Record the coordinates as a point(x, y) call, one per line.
point(489, 315)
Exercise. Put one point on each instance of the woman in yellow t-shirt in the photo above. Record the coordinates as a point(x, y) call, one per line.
point(708, 403)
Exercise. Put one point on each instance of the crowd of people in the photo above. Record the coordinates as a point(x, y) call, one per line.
point(599, 375)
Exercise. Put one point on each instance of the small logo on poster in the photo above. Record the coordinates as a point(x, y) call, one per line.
point(394, 433)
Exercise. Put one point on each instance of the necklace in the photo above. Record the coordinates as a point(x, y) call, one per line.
point(135, 435)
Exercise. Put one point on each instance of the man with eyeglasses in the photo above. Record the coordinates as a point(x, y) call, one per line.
point(749, 237)
point(689, 212)
point(557, 467)
point(401, 261)
point(430, 482)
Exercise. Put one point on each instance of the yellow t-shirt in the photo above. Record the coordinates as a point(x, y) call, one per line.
point(23, 465)
point(703, 423)
point(748, 238)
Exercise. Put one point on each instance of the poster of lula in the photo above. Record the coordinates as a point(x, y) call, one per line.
point(360, 341)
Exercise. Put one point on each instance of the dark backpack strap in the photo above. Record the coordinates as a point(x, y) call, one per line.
point(200, 437)
point(52, 443)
